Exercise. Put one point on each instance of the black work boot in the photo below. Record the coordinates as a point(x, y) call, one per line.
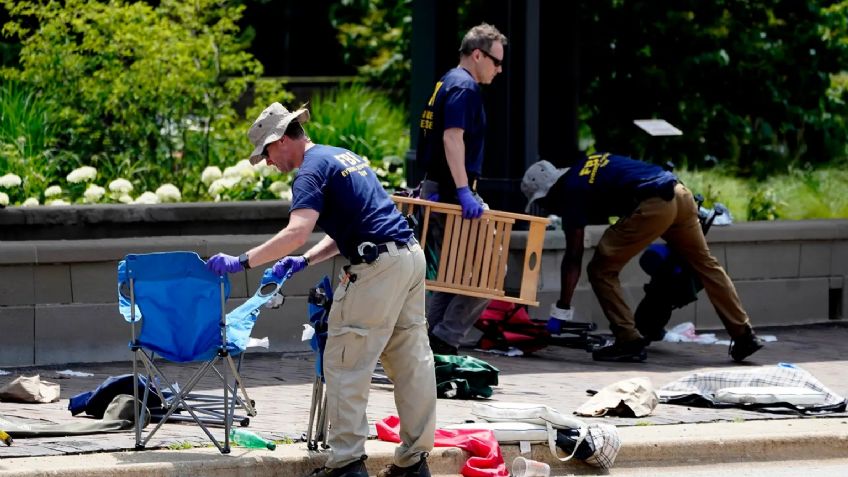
point(745, 345)
point(354, 469)
point(618, 351)
point(415, 470)
point(440, 346)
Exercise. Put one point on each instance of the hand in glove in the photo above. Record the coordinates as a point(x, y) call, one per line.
point(222, 263)
point(288, 266)
point(471, 208)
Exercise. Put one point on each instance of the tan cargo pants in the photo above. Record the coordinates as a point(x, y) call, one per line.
point(676, 221)
point(380, 316)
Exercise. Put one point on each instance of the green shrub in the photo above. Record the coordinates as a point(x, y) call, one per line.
point(802, 193)
point(25, 132)
point(366, 122)
point(732, 192)
point(763, 205)
point(142, 92)
point(811, 193)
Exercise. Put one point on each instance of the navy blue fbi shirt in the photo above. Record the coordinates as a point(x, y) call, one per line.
point(352, 205)
point(456, 102)
point(604, 185)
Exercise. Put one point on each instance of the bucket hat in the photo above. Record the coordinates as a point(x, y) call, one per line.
point(538, 180)
point(270, 126)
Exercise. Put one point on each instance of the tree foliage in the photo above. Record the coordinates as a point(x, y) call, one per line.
point(747, 82)
point(755, 86)
point(140, 90)
point(376, 38)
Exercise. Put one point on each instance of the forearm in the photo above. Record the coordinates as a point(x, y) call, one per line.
point(323, 250)
point(569, 276)
point(455, 155)
point(283, 243)
point(572, 263)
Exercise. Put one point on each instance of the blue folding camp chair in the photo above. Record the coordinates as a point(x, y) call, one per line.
point(181, 307)
point(320, 299)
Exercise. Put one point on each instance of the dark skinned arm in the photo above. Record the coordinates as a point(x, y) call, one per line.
point(572, 263)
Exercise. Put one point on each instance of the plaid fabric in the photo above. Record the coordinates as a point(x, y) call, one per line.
point(605, 439)
point(707, 384)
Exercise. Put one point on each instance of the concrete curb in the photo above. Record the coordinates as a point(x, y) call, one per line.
point(666, 445)
point(767, 440)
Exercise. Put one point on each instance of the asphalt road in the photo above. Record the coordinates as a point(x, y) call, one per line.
point(789, 468)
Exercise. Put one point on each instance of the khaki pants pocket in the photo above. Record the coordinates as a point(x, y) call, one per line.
point(345, 347)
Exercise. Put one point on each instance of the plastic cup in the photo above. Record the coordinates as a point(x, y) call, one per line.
point(522, 467)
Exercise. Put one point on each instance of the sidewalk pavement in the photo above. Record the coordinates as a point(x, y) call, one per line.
point(281, 386)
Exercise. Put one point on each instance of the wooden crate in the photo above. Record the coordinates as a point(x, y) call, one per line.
point(474, 252)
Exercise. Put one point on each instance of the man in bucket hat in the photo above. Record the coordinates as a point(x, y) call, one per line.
point(378, 309)
point(650, 203)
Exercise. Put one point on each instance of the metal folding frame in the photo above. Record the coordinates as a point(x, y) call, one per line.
point(320, 299)
point(181, 399)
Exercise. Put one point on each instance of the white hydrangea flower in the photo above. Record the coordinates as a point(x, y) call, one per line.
point(168, 193)
point(121, 186)
point(125, 199)
point(380, 172)
point(242, 169)
point(82, 174)
point(56, 202)
point(147, 198)
point(222, 184)
point(10, 180)
point(264, 169)
point(53, 191)
point(93, 193)
point(286, 195)
point(278, 186)
point(30, 202)
point(211, 174)
point(4, 199)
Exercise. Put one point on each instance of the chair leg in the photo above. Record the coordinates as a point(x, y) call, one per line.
point(228, 421)
point(138, 419)
point(313, 412)
point(204, 409)
point(325, 428)
point(178, 400)
point(246, 403)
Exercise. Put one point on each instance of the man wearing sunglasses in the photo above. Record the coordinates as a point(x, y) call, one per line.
point(450, 147)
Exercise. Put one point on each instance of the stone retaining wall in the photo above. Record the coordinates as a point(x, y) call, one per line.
point(58, 297)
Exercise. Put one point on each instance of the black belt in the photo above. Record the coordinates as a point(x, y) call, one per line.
point(369, 252)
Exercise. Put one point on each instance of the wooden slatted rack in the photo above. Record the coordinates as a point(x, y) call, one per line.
point(474, 252)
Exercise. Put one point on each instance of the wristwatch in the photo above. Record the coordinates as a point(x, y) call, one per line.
point(244, 260)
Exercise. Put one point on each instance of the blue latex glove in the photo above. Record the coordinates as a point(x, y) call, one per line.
point(471, 209)
point(222, 263)
point(288, 266)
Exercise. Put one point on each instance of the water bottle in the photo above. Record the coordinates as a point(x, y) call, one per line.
point(250, 440)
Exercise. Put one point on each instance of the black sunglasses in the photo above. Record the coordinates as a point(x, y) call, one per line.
point(495, 61)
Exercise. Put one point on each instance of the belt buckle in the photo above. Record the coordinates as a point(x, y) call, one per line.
point(368, 252)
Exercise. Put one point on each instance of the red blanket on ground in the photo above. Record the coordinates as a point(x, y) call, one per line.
point(485, 461)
